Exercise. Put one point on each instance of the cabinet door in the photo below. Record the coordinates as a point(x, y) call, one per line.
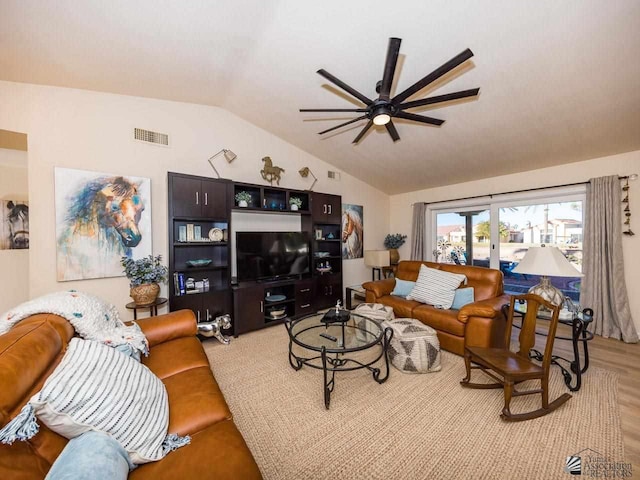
point(319, 207)
point(248, 305)
point(186, 197)
point(328, 291)
point(190, 302)
point(334, 208)
point(214, 199)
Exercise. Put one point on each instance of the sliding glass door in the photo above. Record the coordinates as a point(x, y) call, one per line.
point(462, 236)
point(521, 226)
point(496, 231)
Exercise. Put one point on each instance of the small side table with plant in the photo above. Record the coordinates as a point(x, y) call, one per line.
point(144, 276)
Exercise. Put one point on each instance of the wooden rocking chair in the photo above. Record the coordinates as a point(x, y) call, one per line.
point(512, 368)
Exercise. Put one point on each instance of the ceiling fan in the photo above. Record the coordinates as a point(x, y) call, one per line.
point(381, 110)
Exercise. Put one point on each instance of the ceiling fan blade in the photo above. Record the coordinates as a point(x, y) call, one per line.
point(345, 87)
point(390, 67)
point(391, 128)
point(433, 76)
point(440, 98)
point(363, 131)
point(419, 118)
point(342, 125)
point(333, 110)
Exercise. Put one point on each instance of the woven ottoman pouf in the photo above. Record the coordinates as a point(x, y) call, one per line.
point(377, 311)
point(414, 347)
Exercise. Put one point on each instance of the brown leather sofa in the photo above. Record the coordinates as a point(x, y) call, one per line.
point(478, 324)
point(31, 350)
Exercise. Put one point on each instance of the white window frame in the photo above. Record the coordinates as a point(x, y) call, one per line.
point(494, 203)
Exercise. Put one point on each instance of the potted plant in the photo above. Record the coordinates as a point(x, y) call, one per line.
point(392, 242)
point(243, 198)
point(295, 203)
point(144, 276)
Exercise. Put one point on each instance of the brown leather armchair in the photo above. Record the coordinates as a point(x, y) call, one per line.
point(32, 349)
point(481, 323)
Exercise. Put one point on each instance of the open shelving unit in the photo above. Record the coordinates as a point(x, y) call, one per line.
point(199, 223)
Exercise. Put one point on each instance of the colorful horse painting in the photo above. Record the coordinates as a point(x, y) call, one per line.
point(352, 231)
point(14, 230)
point(101, 223)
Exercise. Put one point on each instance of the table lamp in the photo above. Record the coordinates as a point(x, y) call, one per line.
point(376, 259)
point(546, 262)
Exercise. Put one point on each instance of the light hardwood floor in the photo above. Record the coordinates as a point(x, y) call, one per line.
point(624, 359)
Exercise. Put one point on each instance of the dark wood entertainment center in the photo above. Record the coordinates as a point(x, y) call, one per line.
point(200, 205)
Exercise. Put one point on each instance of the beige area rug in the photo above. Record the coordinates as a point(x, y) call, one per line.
point(411, 427)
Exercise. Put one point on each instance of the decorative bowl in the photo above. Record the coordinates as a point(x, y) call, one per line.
point(202, 262)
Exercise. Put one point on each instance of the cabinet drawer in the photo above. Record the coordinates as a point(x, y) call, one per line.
point(304, 308)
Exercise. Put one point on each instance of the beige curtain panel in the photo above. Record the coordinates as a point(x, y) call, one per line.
point(603, 286)
point(418, 231)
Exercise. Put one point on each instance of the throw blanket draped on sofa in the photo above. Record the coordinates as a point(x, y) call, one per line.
point(92, 318)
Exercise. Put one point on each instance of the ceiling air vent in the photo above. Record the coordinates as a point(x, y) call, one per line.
point(333, 175)
point(151, 137)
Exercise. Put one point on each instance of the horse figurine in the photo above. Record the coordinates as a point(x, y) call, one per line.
point(101, 226)
point(17, 219)
point(269, 172)
point(352, 234)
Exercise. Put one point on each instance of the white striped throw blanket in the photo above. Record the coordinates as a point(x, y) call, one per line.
point(92, 318)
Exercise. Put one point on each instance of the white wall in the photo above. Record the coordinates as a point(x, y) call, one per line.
point(93, 131)
point(14, 264)
point(623, 164)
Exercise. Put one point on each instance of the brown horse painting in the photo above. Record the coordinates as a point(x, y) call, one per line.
point(352, 231)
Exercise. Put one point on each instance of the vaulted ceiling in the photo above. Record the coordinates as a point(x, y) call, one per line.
point(559, 81)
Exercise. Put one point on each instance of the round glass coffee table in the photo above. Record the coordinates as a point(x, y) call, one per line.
point(331, 346)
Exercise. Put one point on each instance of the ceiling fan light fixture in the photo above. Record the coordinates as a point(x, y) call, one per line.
point(382, 119)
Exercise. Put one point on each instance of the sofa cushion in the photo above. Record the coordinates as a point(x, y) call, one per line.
point(195, 401)
point(435, 287)
point(403, 288)
point(170, 358)
point(218, 452)
point(463, 296)
point(445, 320)
point(401, 306)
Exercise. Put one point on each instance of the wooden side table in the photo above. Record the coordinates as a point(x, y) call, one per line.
point(153, 307)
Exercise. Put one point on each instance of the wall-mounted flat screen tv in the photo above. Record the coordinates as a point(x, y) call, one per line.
point(271, 255)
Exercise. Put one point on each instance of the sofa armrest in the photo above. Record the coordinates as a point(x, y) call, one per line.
point(380, 288)
point(167, 327)
point(489, 308)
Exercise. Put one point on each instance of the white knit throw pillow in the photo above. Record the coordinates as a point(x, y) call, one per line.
point(98, 388)
point(435, 287)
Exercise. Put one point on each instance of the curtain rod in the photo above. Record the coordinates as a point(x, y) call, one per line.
point(490, 195)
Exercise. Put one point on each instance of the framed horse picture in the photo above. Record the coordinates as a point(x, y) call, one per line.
point(100, 217)
point(14, 225)
point(352, 231)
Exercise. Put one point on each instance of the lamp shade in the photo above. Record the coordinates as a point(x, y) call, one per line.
point(376, 258)
point(546, 261)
